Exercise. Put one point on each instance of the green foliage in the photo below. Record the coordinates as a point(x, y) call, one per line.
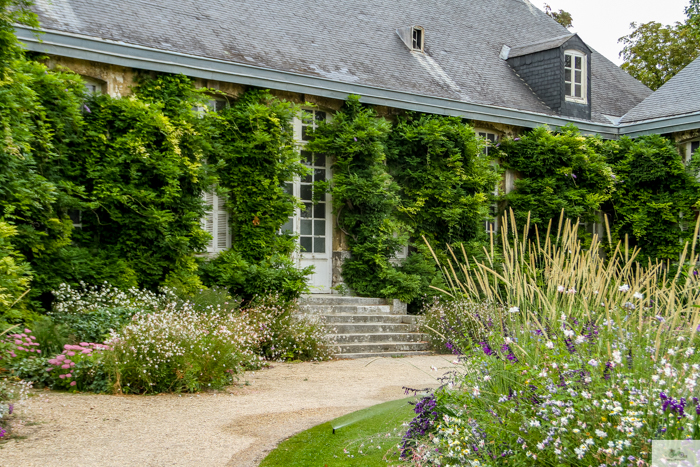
point(94, 325)
point(655, 195)
point(246, 280)
point(13, 11)
point(140, 171)
point(365, 199)
point(692, 11)
point(15, 276)
point(445, 178)
point(558, 171)
point(50, 335)
point(255, 154)
point(562, 17)
point(655, 53)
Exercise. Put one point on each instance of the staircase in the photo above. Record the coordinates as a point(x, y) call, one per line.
point(367, 327)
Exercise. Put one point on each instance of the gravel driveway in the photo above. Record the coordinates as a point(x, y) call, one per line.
point(236, 427)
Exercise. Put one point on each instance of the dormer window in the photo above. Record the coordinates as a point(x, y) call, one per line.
point(417, 39)
point(413, 37)
point(575, 77)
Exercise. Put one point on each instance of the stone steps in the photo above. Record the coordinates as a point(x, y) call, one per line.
point(374, 328)
point(367, 327)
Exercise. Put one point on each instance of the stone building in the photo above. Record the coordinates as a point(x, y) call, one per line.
point(502, 64)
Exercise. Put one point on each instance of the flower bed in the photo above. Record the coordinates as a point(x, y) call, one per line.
point(575, 361)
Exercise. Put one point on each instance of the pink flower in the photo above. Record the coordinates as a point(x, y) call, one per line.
point(67, 346)
point(68, 375)
point(66, 366)
point(70, 354)
point(32, 337)
point(20, 348)
point(60, 357)
point(61, 376)
point(49, 369)
point(73, 383)
point(28, 331)
point(39, 351)
point(87, 351)
point(18, 342)
point(84, 344)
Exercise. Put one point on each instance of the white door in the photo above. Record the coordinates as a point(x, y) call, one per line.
point(313, 225)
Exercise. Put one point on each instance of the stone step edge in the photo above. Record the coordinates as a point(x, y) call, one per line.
point(408, 353)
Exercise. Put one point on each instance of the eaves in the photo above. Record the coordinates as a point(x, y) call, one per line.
point(135, 56)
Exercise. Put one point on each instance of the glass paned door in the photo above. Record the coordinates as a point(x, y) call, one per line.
point(312, 224)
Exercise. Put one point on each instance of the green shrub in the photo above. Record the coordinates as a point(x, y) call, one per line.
point(180, 350)
point(558, 171)
point(52, 336)
point(246, 280)
point(94, 325)
point(15, 276)
point(655, 195)
point(80, 367)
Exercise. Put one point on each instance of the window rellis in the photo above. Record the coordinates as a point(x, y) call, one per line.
point(491, 225)
point(216, 223)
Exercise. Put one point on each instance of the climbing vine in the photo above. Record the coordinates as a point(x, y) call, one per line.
point(365, 200)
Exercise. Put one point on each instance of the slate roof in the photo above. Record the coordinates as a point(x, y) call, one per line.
point(678, 96)
point(352, 41)
point(539, 46)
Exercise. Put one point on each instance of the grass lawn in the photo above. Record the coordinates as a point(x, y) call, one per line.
point(365, 438)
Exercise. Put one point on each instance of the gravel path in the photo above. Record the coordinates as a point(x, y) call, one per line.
point(236, 427)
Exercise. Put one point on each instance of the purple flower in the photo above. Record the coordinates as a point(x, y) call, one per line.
point(10, 409)
point(516, 139)
point(355, 139)
point(573, 176)
point(87, 109)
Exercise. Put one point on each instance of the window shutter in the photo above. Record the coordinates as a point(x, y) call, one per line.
point(222, 228)
point(216, 223)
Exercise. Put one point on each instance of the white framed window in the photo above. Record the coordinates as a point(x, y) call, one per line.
point(489, 137)
point(418, 36)
point(575, 76)
point(216, 222)
point(313, 223)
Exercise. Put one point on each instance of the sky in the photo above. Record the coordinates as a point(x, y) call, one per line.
point(600, 23)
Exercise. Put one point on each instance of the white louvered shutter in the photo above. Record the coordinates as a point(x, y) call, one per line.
point(208, 220)
point(223, 236)
point(216, 223)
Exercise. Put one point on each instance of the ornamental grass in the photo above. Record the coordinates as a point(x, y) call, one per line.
point(565, 355)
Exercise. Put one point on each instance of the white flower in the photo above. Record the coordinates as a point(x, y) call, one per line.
point(624, 288)
point(617, 356)
point(433, 368)
point(549, 345)
point(568, 332)
point(475, 391)
point(580, 339)
point(671, 352)
point(593, 362)
point(690, 351)
point(571, 291)
point(638, 295)
point(514, 309)
point(561, 289)
point(655, 378)
point(487, 378)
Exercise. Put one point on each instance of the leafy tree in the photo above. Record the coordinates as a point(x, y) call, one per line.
point(692, 11)
point(654, 53)
point(13, 11)
point(562, 17)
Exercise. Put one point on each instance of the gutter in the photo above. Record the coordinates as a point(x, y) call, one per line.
point(146, 58)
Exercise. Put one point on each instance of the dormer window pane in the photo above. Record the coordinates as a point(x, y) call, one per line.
point(417, 39)
point(575, 78)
